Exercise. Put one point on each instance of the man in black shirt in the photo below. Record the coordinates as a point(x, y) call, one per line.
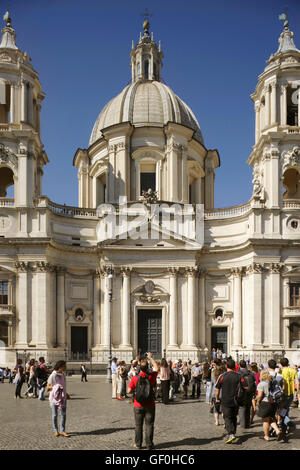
point(228, 383)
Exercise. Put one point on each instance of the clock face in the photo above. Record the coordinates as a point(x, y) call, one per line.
point(149, 287)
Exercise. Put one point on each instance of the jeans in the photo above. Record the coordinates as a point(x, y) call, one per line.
point(287, 403)
point(230, 417)
point(18, 388)
point(165, 388)
point(41, 393)
point(244, 413)
point(63, 415)
point(196, 383)
point(208, 392)
point(144, 414)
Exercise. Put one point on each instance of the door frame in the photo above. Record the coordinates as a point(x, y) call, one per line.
point(163, 309)
point(224, 327)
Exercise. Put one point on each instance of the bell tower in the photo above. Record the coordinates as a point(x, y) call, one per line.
point(276, 154)
point(21, 151)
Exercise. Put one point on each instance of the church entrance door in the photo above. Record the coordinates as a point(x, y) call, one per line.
point(79, 343)
point(150, 332)
point(219, 338)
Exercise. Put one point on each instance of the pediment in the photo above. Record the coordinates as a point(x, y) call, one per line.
point(152, 236)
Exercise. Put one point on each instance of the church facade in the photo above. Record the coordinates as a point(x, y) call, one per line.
point(72, 288)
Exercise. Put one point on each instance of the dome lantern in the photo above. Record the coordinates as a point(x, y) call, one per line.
point(146, 57)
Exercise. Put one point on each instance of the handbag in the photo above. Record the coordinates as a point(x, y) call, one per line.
point(265, 409)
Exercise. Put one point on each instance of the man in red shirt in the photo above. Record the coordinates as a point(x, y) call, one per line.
point(144, 411)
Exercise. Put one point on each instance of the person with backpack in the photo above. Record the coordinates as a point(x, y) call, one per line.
point(267, 405)
point(228, 383)
point(58, 397)
point(41, 373)
point(248, 386)
point(32, 384)
point(142, 385)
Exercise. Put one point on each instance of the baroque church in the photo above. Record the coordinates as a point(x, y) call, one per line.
point(71, 290)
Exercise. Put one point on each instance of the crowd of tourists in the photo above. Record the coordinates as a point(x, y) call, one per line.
point(233, 391)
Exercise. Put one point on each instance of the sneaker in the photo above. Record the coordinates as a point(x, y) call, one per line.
point(56, 434)
point(136, 446)
point(64, 434)
point(230, 439)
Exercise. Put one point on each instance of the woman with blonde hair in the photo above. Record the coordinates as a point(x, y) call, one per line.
point(267, 409)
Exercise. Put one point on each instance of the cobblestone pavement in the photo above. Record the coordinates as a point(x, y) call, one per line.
point(96, 422)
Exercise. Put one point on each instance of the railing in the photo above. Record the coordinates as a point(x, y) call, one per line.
point(225, 212)
point(7, 309)
point(291, 204)
point(66, 211)
point(7, 202)
point(79, 356)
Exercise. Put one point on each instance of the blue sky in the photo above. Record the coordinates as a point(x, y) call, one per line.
point(213, 54)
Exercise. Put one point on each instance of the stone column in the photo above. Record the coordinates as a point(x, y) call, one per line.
point(191, 307)
point(273, 103)
point(283, 114)
point(173, 340)
point(30, 104)
point(107, 308)
point(22, 315)
point(257, 121)
point(24, 101)
point(61, 324)
point(299, 107)
point(255, 308)
point(275, 304)
point(97, 309)
point(125, 323)
point(185, 178)
point(202, 307)
point(46, 326)
point(237, 306)
point(267, 105)
point(173, 149)
point(12, 103)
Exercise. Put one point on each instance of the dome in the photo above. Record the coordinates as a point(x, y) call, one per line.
point(146, 103)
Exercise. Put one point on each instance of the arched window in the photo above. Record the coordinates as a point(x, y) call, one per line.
point(291, 181)
point(100, 189)
point(147, 69)
point(6, 182)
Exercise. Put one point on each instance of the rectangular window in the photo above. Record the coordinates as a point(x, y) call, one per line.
point(295, 295)
point(148, 181)
point(3, 292)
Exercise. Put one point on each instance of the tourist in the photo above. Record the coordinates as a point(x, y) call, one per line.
point(290, 384)
point(83, 373)
point(185, 378)
point(58, 397)
point(228, 384)
point(176, 371)
point(19, 378)
point(114, 377)
point(32, 383)
point(172, 382)
point(207, 381)
point(164, 374)
point(255, 371)
point(249, 385)
point(144, 411)
point(216, 407)
point(42, 373)
point(267, 410)
point(196, 379)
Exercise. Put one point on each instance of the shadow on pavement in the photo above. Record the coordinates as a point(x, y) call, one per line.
point(100, 432)
point(189, 441)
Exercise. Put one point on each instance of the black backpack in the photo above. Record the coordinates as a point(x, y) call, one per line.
point(144, 392)
point(245, 389)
